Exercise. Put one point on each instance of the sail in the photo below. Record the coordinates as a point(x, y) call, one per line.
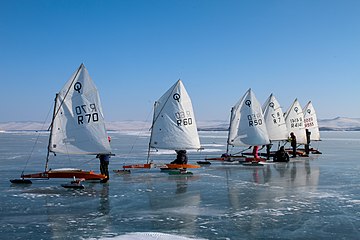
point(311, 122)
point(295, 122)
point(274, 119)
point(247, 125)
point(174, 125)
point(78, 123)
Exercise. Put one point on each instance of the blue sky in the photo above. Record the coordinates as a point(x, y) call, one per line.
point(135, 50)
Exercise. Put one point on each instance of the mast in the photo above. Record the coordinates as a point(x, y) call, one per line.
point(152, 125)
point(50, 137)
point(227, 142)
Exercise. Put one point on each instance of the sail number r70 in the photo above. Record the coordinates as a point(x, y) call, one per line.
point(86, 114)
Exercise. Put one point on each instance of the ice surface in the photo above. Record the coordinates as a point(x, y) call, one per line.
point(308, 198)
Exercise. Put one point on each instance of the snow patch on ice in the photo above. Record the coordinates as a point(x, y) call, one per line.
point(148, 236)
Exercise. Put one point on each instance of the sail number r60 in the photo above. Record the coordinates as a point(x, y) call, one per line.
point(183, 118)
point(184, 121)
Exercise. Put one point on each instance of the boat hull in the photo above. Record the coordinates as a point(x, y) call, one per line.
point(272, 154)
point(177, 166)
point(203, 162)
point(73, 186)
point(254, 164)
point(177, 173)
point(251, 159)
point(20, 181)
point(81, 174)
point(227, 159)
point(146, 165)
point(170, 166)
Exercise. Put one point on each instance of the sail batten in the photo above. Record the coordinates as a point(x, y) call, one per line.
point(174, 126)
point(78, 126)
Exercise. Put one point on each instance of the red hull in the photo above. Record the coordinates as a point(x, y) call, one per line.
point(87, 175)
point(175, 166)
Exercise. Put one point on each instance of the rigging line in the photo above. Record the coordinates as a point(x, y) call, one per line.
point(87, 161)
point(137, 137)
point(37, 139)
point(66, 146)
point(243, 150)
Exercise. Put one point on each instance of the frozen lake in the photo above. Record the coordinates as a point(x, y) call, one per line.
point(314, 198)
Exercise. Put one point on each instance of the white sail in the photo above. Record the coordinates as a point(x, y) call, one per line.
point(274, 119)
point(247, 125)
point(310, 121)
point(174, 125)
point(295, 122)
point(78, 125)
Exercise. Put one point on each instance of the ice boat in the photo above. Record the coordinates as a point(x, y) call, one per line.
point(173, 126)
point(246, 129)
point(77, 127)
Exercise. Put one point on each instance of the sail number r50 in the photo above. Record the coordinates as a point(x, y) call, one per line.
point(254, 120)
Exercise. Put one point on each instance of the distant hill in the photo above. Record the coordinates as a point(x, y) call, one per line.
point(23, 126)
point(340, 124)
point(336, 124)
